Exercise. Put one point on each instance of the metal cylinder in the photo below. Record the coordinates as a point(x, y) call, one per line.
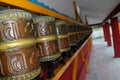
point(72, 35)
point(76, 33)
point(46, 38)
point(19, 57)
point(63, 37)
point(79, 33)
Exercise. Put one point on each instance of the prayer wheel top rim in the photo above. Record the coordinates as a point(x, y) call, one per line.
point(69, 23)
point(60, 22)
point(43, 19)
point(14, 14)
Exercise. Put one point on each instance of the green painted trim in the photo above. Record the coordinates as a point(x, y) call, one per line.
point(50, 58)
point(43, 19)
point(64, 50)
point(26, 76)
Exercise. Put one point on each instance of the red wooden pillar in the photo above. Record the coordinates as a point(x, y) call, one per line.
point(104, 32)
point(108, 37)
point(116, 36)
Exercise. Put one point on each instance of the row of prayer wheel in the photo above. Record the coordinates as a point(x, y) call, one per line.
point(27, 44)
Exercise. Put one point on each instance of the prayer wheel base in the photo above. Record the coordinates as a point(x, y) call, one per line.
point(49, 68)
point(62, 61)
point(66, 54)
point(73, 49)
point(80, 43)
point(38, 78)
point(77, 45)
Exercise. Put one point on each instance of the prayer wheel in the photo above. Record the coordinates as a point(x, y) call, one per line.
point(46, 38)
point(47, 42)
point(72, 38)
point(63, 38)
point(19, 56)
point(76, 36)
point(79, 36)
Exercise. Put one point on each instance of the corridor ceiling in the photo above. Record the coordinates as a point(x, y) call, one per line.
point(96, 10)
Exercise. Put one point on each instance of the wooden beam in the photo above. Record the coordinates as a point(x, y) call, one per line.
point(77, 17)
point(113, 13)
point(26, 4)
point(86, 20)
point(75, 9)
point(75, 68)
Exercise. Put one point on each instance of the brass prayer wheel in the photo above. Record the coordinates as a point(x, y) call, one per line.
point(76, 33)
point(19, 57)
point(46, 38)
point(72, 35)
point(63, 37)
point(79, 33)
point(78, 43)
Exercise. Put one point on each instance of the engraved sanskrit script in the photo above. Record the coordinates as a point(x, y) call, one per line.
point(17, 63)
point(34, 59)
point(9, 30)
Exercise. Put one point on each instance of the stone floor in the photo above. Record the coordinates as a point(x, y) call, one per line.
point(102, 64)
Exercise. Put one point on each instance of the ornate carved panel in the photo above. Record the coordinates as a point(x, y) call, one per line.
point(15, 29)
point(45, 29)
point(19, 61)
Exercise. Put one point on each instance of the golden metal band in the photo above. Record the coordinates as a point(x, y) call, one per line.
point(83, 31)
point(27, 76)
point(60, 22)
point(80, 32)
point(49, 58)
point(63, 36)
point(72, 44)
point(73, 33)
point(16, 44)
point(46, 38)
point(78, 41)
point(64, 50)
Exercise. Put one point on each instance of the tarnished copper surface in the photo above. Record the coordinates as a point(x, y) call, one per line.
point(15, 29)
point(47, 41)
point(72, 35)
point(61, 29)
point(19, 61)
point(45, 29)
point(19, 56)
point(63, 44)
point(62, 34)
point(48, 48)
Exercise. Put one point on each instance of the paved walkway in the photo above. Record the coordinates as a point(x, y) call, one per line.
point(102, 64)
